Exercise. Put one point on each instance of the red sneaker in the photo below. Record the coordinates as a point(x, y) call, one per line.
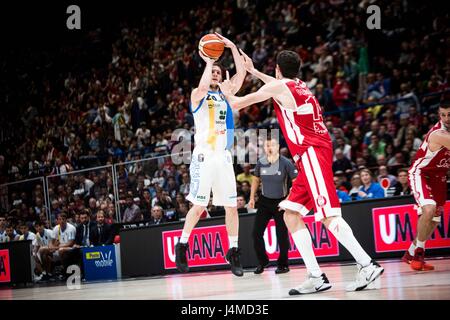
point(418, 262)
point(407, 258)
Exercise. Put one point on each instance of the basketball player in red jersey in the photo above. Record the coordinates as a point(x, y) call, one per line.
point(300, 118)
point(428, 180)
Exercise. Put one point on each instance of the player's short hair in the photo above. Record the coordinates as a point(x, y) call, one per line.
point(63, 215)
point(402, 170)
point(289, 63)
point(444, 104)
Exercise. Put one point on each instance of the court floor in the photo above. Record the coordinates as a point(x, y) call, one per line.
point(398, 282)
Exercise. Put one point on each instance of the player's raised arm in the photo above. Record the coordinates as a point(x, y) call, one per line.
point(250, 68)
point(239, 77)
point(203, 87)
point(267, 91)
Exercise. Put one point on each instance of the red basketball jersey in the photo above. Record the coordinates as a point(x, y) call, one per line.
point(302, 127)
point(437, 162)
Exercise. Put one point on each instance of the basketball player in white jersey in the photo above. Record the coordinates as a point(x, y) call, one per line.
point(300, 118)
point(211, 164)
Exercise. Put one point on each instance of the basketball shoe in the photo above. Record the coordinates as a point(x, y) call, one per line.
point(180, 257)
point(312, 285)
point(417, 262)
point(365, 276)
point(233, 258)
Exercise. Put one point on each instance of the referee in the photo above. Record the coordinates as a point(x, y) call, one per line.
point(275, 172)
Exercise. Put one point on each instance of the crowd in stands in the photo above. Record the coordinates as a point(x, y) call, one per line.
point(125, 107)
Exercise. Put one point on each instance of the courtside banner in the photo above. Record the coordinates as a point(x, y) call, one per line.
point(5, 270)
point(207, 246)
point(396, 226)
point(324, 243)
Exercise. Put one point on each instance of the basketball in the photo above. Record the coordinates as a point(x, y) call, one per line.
point(211, 46)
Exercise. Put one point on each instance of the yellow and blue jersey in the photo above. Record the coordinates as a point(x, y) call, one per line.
point(214, 124)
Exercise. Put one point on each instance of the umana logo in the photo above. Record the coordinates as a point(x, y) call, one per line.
point(105, 260)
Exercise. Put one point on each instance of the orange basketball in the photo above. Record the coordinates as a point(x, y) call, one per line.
point(211, 46)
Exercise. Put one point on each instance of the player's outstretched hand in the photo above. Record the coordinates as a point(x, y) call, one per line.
point(248, 63)
point(227, 87)
point(227, 42)
point(206, 58)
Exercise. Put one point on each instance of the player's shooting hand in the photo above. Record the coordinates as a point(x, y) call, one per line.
point(227, 87)
point(227, 42)
point(248, 63)
point(206, 58)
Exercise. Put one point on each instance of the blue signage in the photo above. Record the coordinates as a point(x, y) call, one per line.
point(100, 263)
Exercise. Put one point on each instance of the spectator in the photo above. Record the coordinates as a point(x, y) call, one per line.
point(341, 163)
point(245, 190)
point(374, 129)
point(342, 195)
point(341, 94)
point(383, 173)
point(241, 202)
point(157, 215)
point(163, 200)
point(377, 147)
point(402, 186)
point(184, 188)
point(246, 175)
point(93, 207)
point(356, 186)
point(182, 211)
point(132, 212)
point(146, 205)
point(346, 148)
point(369, 189)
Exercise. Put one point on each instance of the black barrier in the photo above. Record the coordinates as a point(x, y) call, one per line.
point(15, 262)
point(383, 227)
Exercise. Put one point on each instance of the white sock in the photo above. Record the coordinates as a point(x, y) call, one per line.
point(184, 237)
point(344, 234)
point(233, 241)
point(302, 240)
point(420, 244)
point(411, 249)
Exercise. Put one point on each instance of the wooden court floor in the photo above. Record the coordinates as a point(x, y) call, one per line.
point(398, 282)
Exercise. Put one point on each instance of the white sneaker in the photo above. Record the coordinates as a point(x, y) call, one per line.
point(311, 285)
point(365, 276)
point(38, 278)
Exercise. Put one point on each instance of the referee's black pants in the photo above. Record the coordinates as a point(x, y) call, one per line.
point(268, 209)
